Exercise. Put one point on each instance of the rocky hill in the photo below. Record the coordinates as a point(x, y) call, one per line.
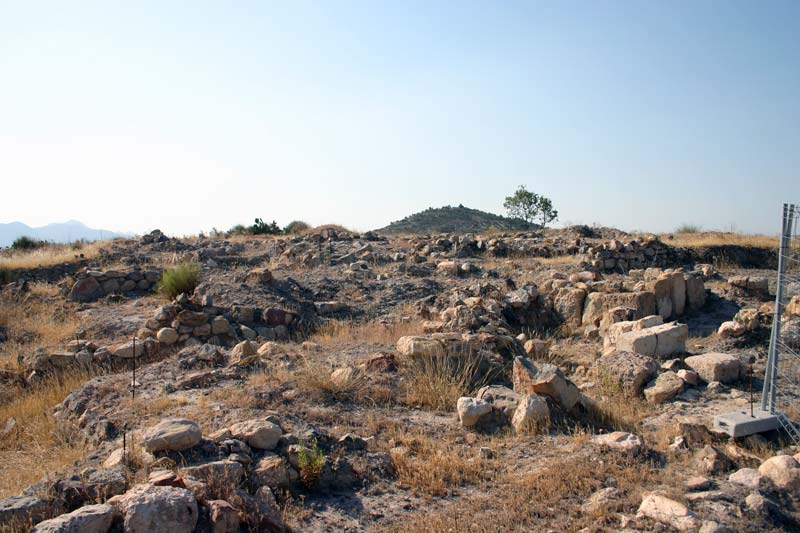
point(455, 219)
point(69, 231)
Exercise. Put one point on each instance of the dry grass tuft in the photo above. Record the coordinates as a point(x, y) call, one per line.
point(37, 319)
point(438, 382)
point(37, 445)
point(430, 466)
point(719, 238)
point(372, 332)
point(49, 255)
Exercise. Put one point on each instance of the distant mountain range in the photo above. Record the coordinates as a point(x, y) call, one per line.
point(69, 231)
point(455, 219)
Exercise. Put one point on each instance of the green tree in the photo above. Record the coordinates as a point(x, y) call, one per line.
point(530, 207)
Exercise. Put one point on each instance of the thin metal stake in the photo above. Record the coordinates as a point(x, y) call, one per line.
point(133, 384)
point(750, 375)
point(124, 447)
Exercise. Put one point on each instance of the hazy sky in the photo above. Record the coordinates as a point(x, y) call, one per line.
point(193, 115)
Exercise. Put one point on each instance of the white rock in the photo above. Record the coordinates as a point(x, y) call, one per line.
point(167, 336)
point(747, 477)
point(412, 346)
point(532, 414)
point(174, 434)
point(88, 519)
point(713, 366)
point(666, 511)
point(158, 509)
point(620, 440)
point(259, 434)
point(783, 471)
point(471, 410)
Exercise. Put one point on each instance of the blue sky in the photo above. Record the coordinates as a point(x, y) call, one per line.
point(192, 115)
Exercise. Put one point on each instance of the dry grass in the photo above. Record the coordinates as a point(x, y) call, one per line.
point(559, 260)
point(719, 238)
point(36, 319)
point(430, 466)
point(438, 382)
point(37, 445)
point(548, 498)
point(372, 332)
point(50, 255)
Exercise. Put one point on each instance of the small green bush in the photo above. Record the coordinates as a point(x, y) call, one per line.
point(311, 463)
point(295, 226)
point(25, 243)
point(180, 279)
point(688, 228)
point(262, 228)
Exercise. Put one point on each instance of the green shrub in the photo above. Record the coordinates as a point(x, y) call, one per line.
point(295, 226)
point(688, 228)
point(25, 243)
point(311, 463)
point(262, 228)
point(180, 279)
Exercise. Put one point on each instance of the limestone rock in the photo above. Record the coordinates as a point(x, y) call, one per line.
point(783, 471)
point(158, 509)
point(731, 328)
point(666, 511)
point(544, 379)
point(747, 477)
point(412, 346)
point(274, 472)
point(167, 336)
point(258, 434)
point(470, 410)
point(224, 517)
point(631, 370)
point(713, 366)
point(88, 519)
point(532, 414)
point(620, 440)
point(175, 434)
point(664, 388)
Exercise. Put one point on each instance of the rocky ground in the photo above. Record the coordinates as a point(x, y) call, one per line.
point(560, 380)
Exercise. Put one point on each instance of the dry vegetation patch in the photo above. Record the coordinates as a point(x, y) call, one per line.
point(50, 255)
point(37, 445)
point(371, 332)
point(550, 496)
point(719, 238)
point(35, 319)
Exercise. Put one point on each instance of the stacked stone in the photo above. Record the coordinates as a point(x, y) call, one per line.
point(179, 323)
point(616, 255)
point(94, 284)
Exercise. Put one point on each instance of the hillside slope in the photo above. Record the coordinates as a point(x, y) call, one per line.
point(455, 219)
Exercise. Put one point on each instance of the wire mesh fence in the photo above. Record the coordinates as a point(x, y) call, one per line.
point(781, 394)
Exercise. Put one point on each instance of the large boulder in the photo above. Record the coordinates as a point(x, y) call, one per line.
point(713, 366)
point(658, 341)
point(783, 471)
point(568, 304)
point(546, 380)
point(598, 303)
point(274, 471)
point(157, 509)
point(731, 329)
point(88, 519)
point(19, 510)
point(258, 434)
point(174, 434)
point(695, 291)
point(85, 290)
point(630, 370)
point(128, 350)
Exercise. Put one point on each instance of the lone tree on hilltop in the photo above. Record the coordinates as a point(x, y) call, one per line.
point(530, 207)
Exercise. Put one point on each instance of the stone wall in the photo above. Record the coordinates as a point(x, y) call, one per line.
point(93, 284)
